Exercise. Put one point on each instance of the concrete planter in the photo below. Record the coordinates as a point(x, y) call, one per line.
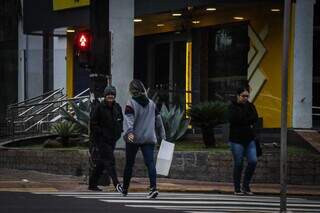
point(185, 165)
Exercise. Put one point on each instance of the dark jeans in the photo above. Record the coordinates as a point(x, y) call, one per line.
point(105, 160)
point(239, 152)
point(148, 153)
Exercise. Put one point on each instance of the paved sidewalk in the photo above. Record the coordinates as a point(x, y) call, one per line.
point(26, 180)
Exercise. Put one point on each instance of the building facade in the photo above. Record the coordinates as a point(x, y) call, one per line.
point(187, 51)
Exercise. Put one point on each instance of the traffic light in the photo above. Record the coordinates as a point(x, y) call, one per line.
point(83, 41)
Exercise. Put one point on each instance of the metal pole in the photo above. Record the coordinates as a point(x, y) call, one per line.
point(284, 104)
point(99, 26)
point(100, 56)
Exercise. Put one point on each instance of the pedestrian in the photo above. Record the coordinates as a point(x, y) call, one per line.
point(141, 119)
point(107, 126)
point(242, 117)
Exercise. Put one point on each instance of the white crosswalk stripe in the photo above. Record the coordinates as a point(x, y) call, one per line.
point(199, 203)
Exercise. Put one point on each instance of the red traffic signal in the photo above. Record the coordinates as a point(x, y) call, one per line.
point(83, 41)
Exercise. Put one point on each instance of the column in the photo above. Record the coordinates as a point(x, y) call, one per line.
point(303, 62)
point(121, 15)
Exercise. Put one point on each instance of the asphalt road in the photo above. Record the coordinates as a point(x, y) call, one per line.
point(24, 202)
point(88, 202)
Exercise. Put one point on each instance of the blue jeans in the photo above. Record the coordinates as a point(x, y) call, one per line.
point(148, 153)
point(239, 152)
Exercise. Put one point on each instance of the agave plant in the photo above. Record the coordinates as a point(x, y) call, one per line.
point(207, 115)
point(65, 130)
point(80, 114)
point(174, 122)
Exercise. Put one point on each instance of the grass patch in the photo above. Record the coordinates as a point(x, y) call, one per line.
point(41, 146)
point(199, 146)
point(187, 145)
point(224, 148)
point(30, 146)
point(295, 150)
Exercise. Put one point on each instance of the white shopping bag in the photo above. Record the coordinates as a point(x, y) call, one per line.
point(164, 158)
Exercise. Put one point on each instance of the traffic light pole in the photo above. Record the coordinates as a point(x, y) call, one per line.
point(100, 55)
point(284, 105)
point(99, 65)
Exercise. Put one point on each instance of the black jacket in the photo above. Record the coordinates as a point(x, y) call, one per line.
point(106, 123)
point(242, 117)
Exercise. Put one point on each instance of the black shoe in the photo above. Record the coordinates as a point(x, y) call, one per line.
point(238, 192)
point(119, 188)
point(94, 188)
point(124, 192)
point(247, 191)
point(153, 194)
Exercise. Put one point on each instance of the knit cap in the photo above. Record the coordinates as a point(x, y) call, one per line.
point(110, 90)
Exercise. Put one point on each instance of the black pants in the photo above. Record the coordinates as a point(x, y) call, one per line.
point(148, 154)
point(104, 160)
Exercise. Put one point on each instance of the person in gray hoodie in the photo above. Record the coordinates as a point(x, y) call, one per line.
point(141, 119)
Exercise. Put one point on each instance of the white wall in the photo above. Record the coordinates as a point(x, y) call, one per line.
point(34, 65)
point(122, 26)
point(21, 62)
point(59, 63)
point(303, 64)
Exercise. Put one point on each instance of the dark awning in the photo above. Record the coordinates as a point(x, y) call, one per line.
point(38, 15)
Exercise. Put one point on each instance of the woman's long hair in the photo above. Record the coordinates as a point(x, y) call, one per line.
point(136, 88)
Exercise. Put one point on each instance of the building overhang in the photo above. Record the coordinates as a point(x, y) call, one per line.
point(40, 15)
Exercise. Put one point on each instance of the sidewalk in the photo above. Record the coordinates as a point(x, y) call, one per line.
point(24, 180)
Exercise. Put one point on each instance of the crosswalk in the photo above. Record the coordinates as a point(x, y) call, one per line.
point(199, 203)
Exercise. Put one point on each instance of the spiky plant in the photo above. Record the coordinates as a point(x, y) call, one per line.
point(207, 115)
point(174, 122)
point(80, 115)
point(65, 130)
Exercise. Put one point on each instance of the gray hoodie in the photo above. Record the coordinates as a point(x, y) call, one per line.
point(142, 119)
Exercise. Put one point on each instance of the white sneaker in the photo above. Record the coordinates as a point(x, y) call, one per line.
point(153, 194)
point(119, 188)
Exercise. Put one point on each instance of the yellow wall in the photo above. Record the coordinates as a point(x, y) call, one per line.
point(268, 101)
point(70, 38)
point(268, 98)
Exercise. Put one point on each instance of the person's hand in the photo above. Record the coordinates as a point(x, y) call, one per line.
point(131, 137)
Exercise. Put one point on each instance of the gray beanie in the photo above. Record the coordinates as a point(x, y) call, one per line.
point(136, 88)
point(110, 90)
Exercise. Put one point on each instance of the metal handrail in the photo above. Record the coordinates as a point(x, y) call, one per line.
point(59, 90)
point(49, 102)
point(76, 98)
point(58, 116)
point(38, 123)
point(36, 114)
point(31, 99)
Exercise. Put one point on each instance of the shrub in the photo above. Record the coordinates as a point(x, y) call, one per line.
point(65, 130)
point(207, 115)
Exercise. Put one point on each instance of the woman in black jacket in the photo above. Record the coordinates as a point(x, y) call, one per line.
point(242, 116)
point(106, 124)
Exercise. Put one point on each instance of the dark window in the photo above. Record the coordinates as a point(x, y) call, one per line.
point(227, 60)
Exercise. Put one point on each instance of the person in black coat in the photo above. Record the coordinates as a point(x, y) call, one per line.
point(242, 116)
point(106, 125)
